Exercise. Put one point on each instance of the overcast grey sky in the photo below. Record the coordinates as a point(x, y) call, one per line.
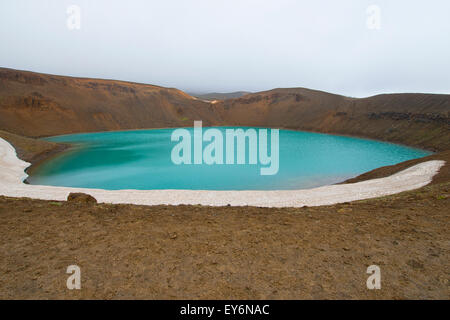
point(218, 45)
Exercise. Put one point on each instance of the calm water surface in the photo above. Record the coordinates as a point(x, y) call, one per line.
point(142, 160)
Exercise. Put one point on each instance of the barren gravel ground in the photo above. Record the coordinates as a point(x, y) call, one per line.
point(190, 252)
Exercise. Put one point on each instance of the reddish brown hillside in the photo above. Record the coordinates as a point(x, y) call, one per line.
point(35, 104)
point(420, 120)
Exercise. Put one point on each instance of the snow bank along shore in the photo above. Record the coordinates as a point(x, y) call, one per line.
point(12, 175)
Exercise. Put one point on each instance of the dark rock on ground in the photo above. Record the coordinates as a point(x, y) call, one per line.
point(81, 198)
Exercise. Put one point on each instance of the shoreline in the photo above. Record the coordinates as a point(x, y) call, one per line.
point(60, 149)
point(12, 175)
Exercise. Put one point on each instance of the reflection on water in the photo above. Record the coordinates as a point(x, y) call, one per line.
point(142, 160)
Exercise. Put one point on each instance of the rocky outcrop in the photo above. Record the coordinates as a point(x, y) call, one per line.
point(81, 198)
point(418, 117)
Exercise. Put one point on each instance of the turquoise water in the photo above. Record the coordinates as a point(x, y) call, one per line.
point(142, 160)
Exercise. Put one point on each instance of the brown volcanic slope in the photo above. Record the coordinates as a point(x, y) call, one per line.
point(35, 105)
point(420, 120)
